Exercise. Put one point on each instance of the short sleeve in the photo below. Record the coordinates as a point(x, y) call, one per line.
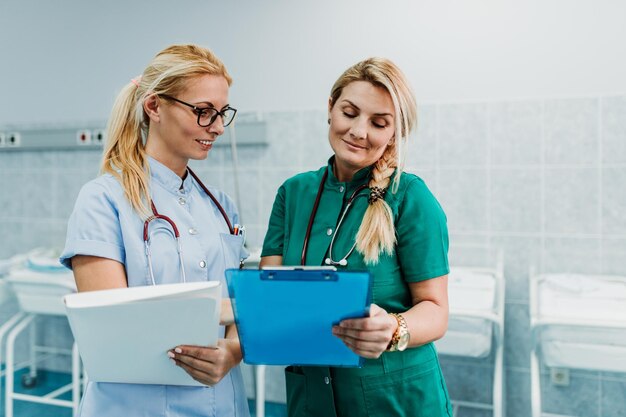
point(275, 236)
point(94, 227)
point(422, 234)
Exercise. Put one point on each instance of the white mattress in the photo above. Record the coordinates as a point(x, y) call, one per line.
point(469, 290)
point(6, 265)
point(41, 293)
point(597, 297)
point(583, 297)
point(466, 337)
point(6, 293)
point(584, 348)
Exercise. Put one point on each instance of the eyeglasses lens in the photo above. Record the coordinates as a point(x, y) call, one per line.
point(207, 117)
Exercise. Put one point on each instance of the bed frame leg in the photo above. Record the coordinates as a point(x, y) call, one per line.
point(535, 384)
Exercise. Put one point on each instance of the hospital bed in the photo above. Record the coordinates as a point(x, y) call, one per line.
point(39, 285)
point(576, 322)
point(7, 296)
point(476, 324)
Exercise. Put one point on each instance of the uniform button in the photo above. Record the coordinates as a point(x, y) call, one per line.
point(329, 231)
point(202, 264)
point(182, 201)
point(326, 380)
point(193, 231)
point(341, 189)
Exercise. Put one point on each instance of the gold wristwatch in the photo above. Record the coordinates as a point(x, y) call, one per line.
point(400, 339)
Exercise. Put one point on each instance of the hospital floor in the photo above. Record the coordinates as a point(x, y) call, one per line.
point(47, 381)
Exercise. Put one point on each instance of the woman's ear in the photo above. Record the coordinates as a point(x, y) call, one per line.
point(151, 106)
point(330, 107)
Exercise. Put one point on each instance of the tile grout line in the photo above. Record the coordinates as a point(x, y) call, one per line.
point(542, 142)
point(437, 149)
point(600, 221)
point(600, 188)
point(489, 177)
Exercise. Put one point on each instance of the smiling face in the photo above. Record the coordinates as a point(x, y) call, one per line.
point(362, 123)
point(174, 135)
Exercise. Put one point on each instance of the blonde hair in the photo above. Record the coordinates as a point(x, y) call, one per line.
point(124, 153)
point(377, 232)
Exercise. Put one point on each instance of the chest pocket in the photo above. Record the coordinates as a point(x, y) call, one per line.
point(234, 252)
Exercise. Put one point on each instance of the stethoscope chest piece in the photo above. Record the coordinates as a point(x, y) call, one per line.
point(342, 262)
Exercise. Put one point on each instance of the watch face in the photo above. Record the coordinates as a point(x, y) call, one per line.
point(404, 341)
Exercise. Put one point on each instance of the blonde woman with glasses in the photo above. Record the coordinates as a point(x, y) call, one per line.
point(146, 197)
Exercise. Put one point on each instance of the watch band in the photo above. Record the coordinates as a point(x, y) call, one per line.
point(400, 330)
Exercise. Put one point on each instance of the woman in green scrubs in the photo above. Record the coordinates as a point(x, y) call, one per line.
point(362, 212)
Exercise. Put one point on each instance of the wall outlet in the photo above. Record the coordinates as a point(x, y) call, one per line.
point(3, 138)
point(13, 139)
point(98, 136)
point(559, 376)
point(83, 137)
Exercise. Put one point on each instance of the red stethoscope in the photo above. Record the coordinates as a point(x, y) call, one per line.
point(157, 216)
point(329, 260)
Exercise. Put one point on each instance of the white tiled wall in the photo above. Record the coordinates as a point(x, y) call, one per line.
point(541, 179)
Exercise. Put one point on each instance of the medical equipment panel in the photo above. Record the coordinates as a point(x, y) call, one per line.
point(86, 135)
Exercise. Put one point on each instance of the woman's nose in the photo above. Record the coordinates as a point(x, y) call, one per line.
point(217, 126)
point(358, 129)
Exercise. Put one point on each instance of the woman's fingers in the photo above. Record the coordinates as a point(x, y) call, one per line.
point(198, 375)
point(365, 335)
point(364, 348)
point(368, 336)
point(203, 353)
point(207, 365)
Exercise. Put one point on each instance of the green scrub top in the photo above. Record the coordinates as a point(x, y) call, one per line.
point(408, 383)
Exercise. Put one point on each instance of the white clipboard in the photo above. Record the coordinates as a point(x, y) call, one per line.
point(123, 335)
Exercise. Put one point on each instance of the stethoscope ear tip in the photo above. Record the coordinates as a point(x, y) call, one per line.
point(343, 262)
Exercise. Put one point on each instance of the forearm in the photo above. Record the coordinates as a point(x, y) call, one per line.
point(231, 332)
point(232, 343)
point(227, 317)
point(427, 321)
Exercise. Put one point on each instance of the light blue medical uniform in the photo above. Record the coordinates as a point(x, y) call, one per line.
point(104, 224)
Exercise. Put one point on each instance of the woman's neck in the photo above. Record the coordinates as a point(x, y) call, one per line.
point(343, 173)
point(178, 165)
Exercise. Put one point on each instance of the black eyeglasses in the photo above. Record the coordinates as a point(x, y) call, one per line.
point(208, 115)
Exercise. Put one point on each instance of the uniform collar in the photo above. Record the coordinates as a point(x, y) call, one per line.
point(168, 179)
point(362, 176)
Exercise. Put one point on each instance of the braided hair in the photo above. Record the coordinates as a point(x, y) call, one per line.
point(377, 232)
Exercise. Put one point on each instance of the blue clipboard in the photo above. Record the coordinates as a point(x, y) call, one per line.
point(284, 316)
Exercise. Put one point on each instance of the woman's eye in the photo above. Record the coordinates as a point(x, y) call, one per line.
point(349, 115)
point(379, 125)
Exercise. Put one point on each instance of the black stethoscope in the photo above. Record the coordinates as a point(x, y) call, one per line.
point(329, 260)
point(157, 216)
